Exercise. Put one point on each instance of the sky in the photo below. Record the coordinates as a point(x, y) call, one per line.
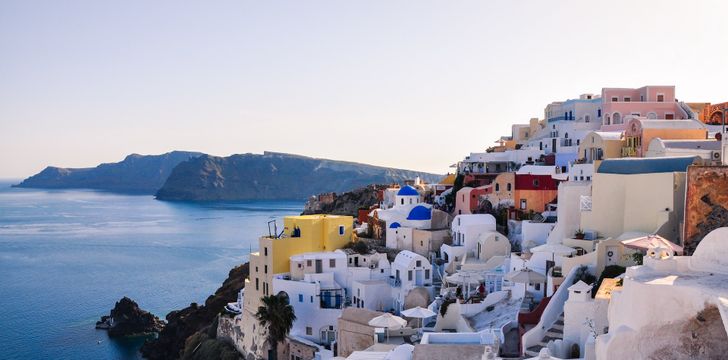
point(407, 84)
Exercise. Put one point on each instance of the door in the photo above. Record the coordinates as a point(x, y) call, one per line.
point(553, 145)
point(319, 266)
point(419, 277)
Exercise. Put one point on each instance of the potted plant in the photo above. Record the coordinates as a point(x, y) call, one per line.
point(579, 234)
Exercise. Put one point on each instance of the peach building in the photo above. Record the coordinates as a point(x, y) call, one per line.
point(502, 190)
point(652, 102)
point(533, 192)
point(640, 132)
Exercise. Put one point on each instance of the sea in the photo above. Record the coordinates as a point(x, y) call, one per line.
point(66, 257)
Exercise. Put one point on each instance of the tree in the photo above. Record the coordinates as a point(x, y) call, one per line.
point(278, 316)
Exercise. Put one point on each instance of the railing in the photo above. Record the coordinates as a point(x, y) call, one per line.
point(629, 152)
point(553, 310)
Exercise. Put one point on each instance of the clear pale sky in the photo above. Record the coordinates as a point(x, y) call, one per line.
point(410, 84)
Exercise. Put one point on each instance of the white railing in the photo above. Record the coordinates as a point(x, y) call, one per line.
point(552, 312)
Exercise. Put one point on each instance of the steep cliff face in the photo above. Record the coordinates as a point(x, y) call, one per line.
point(143, 174)
point(273, 176)
point(181, 324)
point(347, 203)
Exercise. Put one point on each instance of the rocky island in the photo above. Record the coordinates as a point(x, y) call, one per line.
point(127, 319)
point(141, 174)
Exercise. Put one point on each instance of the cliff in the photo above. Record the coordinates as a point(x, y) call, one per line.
point(273, 176)
point(142, 174)
point(182, 324)
point(347, 203)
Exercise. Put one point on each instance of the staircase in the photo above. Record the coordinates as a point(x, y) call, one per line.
point(555, 332)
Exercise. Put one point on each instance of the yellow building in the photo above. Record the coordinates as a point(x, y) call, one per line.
point(300, 234)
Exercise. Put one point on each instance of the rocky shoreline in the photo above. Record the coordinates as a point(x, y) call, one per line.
point(190, 333)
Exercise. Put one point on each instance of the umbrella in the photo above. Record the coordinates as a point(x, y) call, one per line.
point(554, 248)
point(419, 313)
point(388, 321)
point(643, 243)
point(464, 278)
point(525, 276)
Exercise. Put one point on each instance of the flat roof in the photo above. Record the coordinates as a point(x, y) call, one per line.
point(630, 166)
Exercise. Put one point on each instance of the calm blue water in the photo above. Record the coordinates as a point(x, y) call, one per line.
point(66, 256)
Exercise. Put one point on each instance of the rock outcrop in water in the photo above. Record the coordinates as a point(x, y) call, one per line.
point(182, 324)
point(127, 319)
point(273, 176)
point(142, 174)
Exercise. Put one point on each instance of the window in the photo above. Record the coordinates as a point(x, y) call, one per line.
point(341, 229)
point(586, 118)
point(535, 183)
point(332, 263)
point(256, 269)
point(642, 98)
point(427, 274)
point(599, 112)
point(409, 275)
point(311, 299)
point(308, 330)
point(300, 298)
point(418, 263)
point(265, 251)
point(308, 262)
point(402, 202)
point(257, 284)
point(523, 204)
point(537, 286)
point(617, 118)
point(588, 178)
point(627, 99)
point(669, 116)
point(497, 187)
point(578, 141)
point(615, 99)
point(350, 259)
point(660, 97)
point(266, 269)
point(508, 186)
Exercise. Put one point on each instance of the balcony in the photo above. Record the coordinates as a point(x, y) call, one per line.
point(629, 152)
point(394, 282)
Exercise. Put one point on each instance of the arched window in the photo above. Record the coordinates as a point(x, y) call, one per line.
point(508, 186)
point(617, 118)
point(651, 115)
point(566, 135)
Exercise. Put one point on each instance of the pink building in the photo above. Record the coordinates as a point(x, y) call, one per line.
point(651, 102)
point(467, 199)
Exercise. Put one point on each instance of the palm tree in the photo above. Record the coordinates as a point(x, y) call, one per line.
point(278, 315)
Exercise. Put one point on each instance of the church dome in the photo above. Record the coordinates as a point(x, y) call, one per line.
point(420, 212)
point(408, 191)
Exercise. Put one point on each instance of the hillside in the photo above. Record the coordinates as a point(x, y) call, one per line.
point(273, 176)
point(143, 174)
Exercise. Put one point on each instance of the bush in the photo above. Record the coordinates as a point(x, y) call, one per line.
point(445, 305)
point(361, 247)
point(583, 274)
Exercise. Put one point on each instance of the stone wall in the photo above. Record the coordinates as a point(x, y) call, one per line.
point(706, 203)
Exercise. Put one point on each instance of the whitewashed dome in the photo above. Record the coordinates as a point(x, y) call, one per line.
point(711, 255)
